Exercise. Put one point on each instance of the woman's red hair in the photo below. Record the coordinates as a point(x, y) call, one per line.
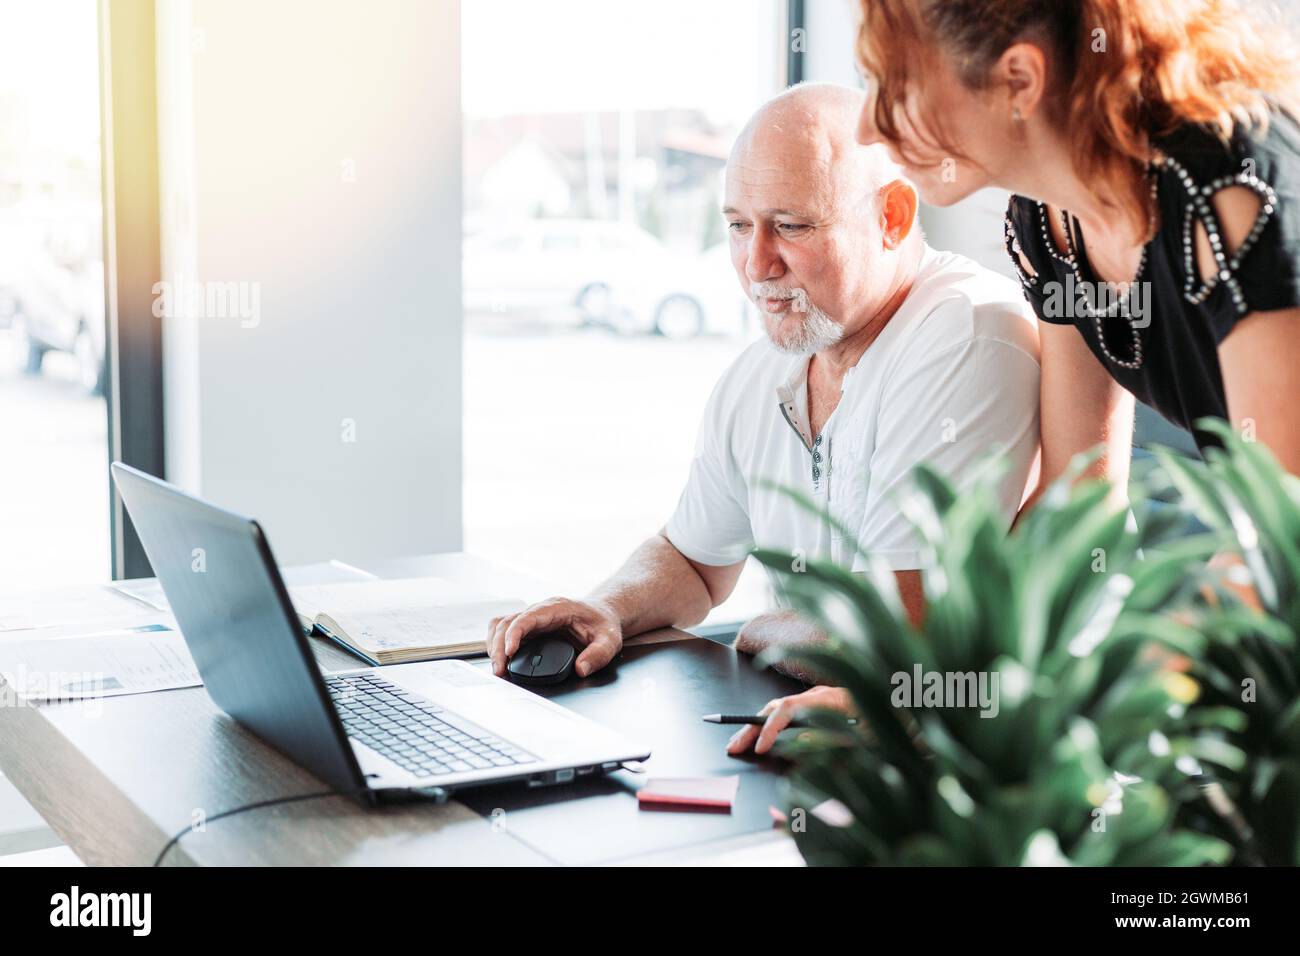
point(1161, 64)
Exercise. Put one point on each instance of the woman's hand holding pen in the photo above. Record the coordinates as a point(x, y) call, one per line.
point(780, 712)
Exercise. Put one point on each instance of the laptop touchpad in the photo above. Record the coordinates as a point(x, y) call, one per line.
point(537, 723)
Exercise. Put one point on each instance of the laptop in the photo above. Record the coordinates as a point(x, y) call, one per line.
point(400, 731)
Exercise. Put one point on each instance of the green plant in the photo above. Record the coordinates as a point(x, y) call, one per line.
point(1089, 757)
point(1251, 664)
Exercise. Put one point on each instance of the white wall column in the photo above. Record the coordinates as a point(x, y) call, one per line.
point(311, 185)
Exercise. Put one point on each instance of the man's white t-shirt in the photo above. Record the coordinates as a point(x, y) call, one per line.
point(952, 377)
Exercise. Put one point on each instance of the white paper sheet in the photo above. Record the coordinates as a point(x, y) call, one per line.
point(108, 664)
point(93, 607)
point(145, 590)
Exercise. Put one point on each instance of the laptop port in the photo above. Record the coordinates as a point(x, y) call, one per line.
point(549, 777)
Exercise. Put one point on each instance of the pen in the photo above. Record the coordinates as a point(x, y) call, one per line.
point(751, 719)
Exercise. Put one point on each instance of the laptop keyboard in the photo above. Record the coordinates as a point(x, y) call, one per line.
point(413, 731)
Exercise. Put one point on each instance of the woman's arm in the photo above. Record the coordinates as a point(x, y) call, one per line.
point(1260, 356)
point(1080, 407)
point(785, 628)
point(1259, 360)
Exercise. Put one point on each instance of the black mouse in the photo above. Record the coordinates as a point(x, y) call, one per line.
point(543, 659)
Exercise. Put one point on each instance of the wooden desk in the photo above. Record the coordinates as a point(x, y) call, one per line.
point(116, 780)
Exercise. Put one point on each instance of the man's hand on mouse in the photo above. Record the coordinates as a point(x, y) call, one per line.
point(595, 627)
point(780, 712)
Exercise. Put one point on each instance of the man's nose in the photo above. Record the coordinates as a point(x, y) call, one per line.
point(763, 262)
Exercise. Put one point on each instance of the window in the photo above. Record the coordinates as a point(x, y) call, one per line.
point(54, 487)
point(601, 305)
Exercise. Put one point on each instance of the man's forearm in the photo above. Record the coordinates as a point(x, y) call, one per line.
point(783, 628)
point(655, 587)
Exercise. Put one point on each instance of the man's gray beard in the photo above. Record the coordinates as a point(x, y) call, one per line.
point(815, 333)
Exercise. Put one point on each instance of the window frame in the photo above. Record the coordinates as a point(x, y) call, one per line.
point(132, 259)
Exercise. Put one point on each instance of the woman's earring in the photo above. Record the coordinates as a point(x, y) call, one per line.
point(1016, 114)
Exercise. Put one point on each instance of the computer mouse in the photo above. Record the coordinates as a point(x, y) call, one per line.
point(543, 659)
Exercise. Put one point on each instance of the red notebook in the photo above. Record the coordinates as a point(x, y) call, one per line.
point(711, 793)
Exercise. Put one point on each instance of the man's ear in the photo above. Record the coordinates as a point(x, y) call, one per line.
point(897, 212)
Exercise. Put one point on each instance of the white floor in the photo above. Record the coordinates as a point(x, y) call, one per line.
point(52, 856)
point(25, 838)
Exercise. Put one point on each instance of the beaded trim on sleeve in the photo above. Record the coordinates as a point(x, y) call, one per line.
point(1199, 207)
point(1012, 242)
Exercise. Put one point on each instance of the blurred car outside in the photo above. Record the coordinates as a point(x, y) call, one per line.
point(588, 272)
point(56, 287)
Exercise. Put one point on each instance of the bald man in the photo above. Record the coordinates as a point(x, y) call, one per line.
point(880, 354)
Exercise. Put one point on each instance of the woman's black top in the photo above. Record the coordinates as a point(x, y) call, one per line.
point(1160, 341)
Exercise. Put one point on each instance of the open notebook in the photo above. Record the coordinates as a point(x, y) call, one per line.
point(395, 622)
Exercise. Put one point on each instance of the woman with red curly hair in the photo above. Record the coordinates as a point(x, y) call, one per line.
point(1154, 159)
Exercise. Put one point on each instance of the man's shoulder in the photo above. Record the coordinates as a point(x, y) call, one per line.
point(958, 302)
